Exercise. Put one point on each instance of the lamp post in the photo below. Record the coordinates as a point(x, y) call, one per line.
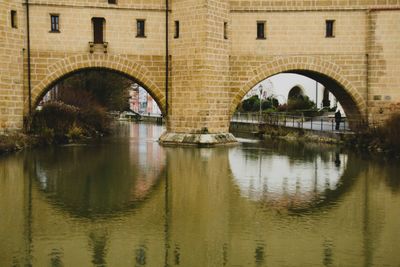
point(260, 88)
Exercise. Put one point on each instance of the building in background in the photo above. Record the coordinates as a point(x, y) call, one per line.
point(141, 101)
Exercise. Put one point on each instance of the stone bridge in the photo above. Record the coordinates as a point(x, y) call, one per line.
point(217, 51)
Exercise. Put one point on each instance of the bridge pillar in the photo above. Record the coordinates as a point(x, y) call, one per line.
point(11, 66)
point(199, 95)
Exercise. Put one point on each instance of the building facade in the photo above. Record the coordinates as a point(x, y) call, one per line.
point(217, 52)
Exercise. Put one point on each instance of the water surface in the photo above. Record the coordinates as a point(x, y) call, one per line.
point(129, 202)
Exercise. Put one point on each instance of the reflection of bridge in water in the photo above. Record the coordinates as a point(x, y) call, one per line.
point(285, 183)
point(197, 207)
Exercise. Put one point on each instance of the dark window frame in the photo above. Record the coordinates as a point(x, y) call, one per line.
point(14, 19)
point(177, 29)
point(330, 28)
point(54, 23)
point(99, 34)
point(112, 2)
point(140, 28)
point(261, 27)
point(225, 30)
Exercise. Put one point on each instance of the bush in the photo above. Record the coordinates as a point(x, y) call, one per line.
point(282, 108)
point(381, 138)
point(75, 133)
point(59, 122)
point(251, 104)
point(300, 103)
point(391, 131)
point(95, 120)
point(54, 120)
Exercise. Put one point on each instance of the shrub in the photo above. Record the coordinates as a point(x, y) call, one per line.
point(391, 131)
point(59, 122)
point(382, 138)
point(95, 120)
point(300, 103)
point(56, 116)
point(75, 133)
point(251, 104)
point(282, 108)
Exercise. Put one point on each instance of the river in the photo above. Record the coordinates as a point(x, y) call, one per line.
point(127, 201)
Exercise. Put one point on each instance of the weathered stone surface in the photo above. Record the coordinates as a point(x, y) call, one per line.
point(209, 74)
point(200, 140)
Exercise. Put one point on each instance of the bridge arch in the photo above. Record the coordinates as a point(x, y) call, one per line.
point(74, 64)
point(324, 72)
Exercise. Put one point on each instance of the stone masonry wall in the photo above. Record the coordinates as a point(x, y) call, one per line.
point(11, 65)
point(209, 74)
point(200, 67)
point(55, 54)
point(384, 63)
point(296, 41)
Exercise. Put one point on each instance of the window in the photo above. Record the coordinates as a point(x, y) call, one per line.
point(176, 35)
point(98, 26)
point(55, 23)
point(140, 31)
point(330, 28)
point(112, 2)
point(260, 29)
point(225, 30)
point(14, 19)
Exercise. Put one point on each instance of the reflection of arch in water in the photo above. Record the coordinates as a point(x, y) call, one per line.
point(282, 181)
point(88, 182)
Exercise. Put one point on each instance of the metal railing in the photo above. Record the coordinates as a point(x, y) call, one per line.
point(320, 123)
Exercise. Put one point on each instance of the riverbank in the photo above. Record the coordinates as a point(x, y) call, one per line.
point(290, 133)
point(381, 140)
point(16, 141)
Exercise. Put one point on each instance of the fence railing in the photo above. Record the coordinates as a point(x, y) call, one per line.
point(320, 123)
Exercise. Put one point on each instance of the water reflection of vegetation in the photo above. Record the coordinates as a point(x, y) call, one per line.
point(298, 156)
point(87, 181)
point(306, 152)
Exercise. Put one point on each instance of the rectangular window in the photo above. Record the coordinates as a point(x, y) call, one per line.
point(176, 35)
point(55, 23)
point(225, 30)
point(260, 29)
point(330, 28)
point(14, 19)
point(140, 31)
point(112, 1)
point(98, 26)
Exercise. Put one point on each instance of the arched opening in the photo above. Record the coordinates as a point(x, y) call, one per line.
point(306, 93)
point(140, 98)
point(87, 102)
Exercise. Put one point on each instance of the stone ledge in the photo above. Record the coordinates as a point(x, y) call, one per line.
point(200, 140)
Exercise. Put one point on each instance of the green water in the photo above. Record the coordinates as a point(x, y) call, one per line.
point(129, 202)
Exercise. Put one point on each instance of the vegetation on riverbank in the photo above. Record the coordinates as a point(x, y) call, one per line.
point(375, 140)
point(74, 110)
point(79, 105)
point(384, 138)
point(58, 122)
point(16, 141)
